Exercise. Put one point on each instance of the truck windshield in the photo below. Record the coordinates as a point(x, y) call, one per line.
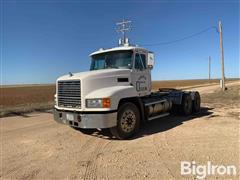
point(109, 60)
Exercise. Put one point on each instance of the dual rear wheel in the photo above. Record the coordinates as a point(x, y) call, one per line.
point(189, 106)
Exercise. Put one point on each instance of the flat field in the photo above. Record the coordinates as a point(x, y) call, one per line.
point(17, 99)
point(27, 98)
point(26, 94)
point(179, 84)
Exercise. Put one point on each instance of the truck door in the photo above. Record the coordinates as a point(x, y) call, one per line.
point(140, 75)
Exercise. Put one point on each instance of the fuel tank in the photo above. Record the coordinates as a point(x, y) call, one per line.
point(159, 108)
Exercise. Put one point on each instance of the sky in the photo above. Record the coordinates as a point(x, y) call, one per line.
point(42, 40)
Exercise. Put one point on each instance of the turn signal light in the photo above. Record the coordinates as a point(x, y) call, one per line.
point(106, 102)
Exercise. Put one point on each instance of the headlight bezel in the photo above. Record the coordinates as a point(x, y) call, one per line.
point(98, 103)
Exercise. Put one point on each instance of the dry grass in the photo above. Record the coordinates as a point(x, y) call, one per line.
point(228, 98)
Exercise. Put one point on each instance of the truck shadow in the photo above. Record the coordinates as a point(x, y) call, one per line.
point(170, 122)
point(159, 125)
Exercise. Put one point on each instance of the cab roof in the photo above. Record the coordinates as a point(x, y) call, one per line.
point(120, 48)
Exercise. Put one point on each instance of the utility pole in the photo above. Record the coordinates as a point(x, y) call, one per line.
point(222, 55)
point(209, 68)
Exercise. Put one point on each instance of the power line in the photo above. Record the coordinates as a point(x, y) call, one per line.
point(184, 38)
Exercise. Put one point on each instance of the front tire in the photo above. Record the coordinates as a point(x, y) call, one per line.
point(128, 121)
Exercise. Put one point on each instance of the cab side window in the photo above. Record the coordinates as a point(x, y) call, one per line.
point(140, 61)
point(143, 57)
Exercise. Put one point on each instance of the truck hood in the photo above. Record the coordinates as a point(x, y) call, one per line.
point(99, 74)
point(99, 79)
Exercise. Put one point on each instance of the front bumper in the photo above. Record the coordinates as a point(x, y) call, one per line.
point(87, 120)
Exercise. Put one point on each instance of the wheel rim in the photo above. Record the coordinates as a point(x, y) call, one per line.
point(128, 121)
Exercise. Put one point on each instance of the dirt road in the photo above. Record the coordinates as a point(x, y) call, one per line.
point(33, 146)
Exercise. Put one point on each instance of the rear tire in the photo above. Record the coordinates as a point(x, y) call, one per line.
point(186, 106)
point(128, 121)
point(196, 102)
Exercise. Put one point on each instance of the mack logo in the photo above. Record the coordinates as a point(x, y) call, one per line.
point(141, 84)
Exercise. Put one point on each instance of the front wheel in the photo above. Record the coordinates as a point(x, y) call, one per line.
point(128, 121)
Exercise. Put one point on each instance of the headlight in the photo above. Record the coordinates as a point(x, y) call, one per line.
point(98, 103)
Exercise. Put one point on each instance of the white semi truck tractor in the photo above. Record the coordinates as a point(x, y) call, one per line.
point(116, 93)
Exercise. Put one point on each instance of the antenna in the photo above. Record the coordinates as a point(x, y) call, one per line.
point(123, 27)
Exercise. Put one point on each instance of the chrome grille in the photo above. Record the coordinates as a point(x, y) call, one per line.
point(69, 94)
